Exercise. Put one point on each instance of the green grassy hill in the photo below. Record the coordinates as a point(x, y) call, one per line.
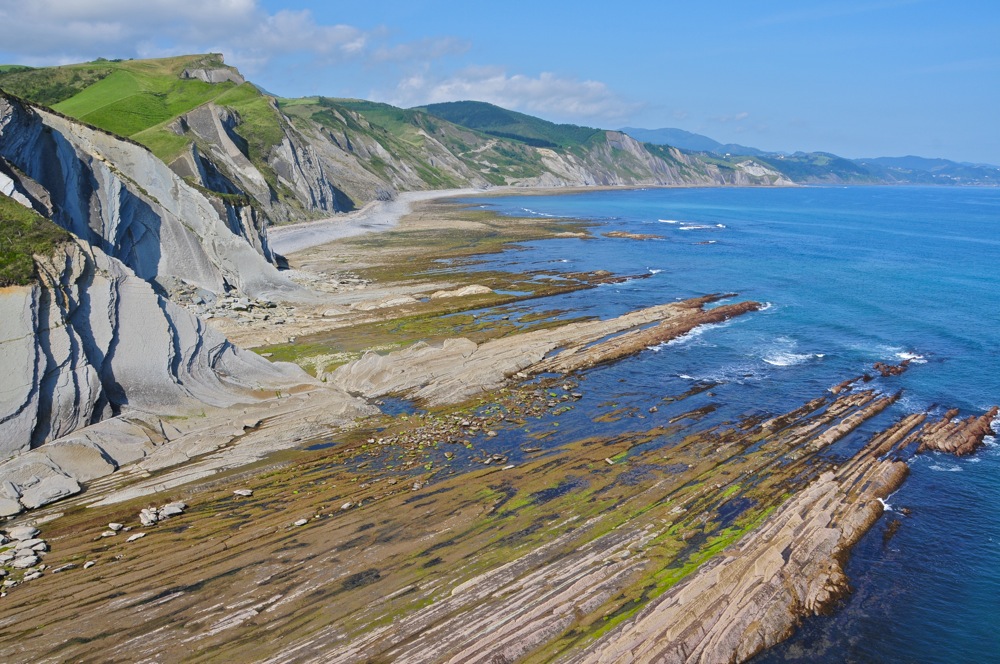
point(419, 141)
point(502, 123)
point(139, 98)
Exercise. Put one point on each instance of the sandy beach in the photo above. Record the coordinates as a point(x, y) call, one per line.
point(373, 217)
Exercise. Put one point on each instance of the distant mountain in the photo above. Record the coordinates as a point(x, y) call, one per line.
point(921, 170)
point(512, 125)
point(911, 162)
point(686, 140)
point(826, 168)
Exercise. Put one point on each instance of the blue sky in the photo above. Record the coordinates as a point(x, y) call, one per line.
point(855, 77)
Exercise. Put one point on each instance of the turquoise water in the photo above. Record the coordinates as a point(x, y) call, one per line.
point(851, 276)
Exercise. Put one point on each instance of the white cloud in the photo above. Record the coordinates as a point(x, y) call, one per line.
point(58, 31)
point(546, 94)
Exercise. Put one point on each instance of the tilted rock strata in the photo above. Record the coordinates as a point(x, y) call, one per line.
point(116, 195)
point(758, 592)
point(460, 368)
point(958, 437)
point(91, 340)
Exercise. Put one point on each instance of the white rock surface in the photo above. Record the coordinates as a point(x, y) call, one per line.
point(24, 562)
point(102, 340)
point(150, 218)
point(473, 289)
point(23, 532)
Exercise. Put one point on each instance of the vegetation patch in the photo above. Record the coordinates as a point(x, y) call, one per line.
point(23, 234)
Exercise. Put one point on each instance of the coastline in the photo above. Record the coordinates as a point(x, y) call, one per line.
point(378, 216)
point(422, 525)
point(374, 216)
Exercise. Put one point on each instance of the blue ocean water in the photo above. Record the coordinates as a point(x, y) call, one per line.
point(851, 276)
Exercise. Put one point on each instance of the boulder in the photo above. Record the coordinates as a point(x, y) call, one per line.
point(10, 507)
point(22, 532)
point(49, 490)
point(24, 562)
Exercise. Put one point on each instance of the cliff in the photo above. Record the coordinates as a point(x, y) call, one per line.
point(116, 195)
point(90, 341)
point(259, 159)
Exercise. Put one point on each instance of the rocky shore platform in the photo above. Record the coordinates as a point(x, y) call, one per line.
point(448, 528)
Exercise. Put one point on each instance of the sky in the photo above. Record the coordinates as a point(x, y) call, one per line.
point(858, 78)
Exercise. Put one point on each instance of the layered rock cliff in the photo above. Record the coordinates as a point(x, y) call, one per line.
point(92, 340)
point(116, 195)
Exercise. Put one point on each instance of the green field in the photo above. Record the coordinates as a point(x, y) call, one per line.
point(138, 99)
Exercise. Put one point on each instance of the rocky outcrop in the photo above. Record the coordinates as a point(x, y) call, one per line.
point(92, 340)
point(958, 437)
point(757, 592)
point(459, 368)
point(214, 74)
point(116, 195)
point(218, 160)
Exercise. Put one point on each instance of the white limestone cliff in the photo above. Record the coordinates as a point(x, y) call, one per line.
point(92, 340)
point(116, 195)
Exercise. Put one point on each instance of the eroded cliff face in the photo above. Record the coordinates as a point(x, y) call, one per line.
point(346, 161)
point(116, 195)
point(91, 340)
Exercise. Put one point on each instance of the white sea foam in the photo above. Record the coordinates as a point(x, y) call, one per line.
point(540, 214)
point(784, 359)
point(686, 377)
point(720, 225)
point(690, 336)
point(946, 469)
point(668, 221)
point(653, 270)
point(694, 228)
point(913, 357)
point(885, 506)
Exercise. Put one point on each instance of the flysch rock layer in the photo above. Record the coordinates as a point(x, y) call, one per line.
point(92, 340)
point(118, 196)
point(756, 593)
point(459, 369)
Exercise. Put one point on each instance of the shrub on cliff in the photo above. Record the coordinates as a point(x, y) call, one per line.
point(24, 233)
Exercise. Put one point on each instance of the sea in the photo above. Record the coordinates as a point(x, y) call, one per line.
point(850, 276)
